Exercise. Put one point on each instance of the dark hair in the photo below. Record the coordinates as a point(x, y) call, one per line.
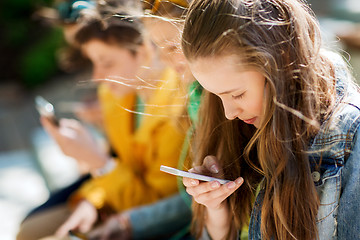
point(112, 22)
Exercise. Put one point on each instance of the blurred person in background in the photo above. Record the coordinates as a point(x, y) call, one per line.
point(163, 22)
point(142, 142)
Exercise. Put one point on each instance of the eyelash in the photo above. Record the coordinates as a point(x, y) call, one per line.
point(238, 96)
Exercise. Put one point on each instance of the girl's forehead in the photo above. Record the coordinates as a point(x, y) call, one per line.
point(97, 48)
point(230, 62)
point(222, 75)
point(162, 31)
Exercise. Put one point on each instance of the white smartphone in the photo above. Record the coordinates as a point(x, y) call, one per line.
point(200, 177)
point(46, 109)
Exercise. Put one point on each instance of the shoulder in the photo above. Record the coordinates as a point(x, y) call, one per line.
point(336, 137)
point(344, 120)
point(339, 129)
point(344, 80)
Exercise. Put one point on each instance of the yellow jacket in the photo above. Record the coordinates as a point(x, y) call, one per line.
point(136, 179)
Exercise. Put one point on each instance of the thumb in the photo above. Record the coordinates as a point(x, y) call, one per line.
point(85, 225)
point(211, 163)
point(71, 223)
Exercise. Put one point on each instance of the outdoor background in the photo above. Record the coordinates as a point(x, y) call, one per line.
point(31, 166)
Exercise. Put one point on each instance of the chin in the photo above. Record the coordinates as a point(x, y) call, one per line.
point(256, 123)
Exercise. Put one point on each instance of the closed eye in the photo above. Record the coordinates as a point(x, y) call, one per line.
point(238, 96)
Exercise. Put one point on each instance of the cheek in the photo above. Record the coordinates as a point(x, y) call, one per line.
point(126, 70)
point(255, 104)
point(259, 107)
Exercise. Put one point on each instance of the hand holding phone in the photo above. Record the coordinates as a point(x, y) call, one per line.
point(200, 177)
point(46, 109)
point(77, 235)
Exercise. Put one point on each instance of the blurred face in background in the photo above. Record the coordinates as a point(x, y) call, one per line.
point(111, 61)
point(166, 36)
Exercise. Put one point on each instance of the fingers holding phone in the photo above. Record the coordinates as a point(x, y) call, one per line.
point(82, 219)
point(77, 142)
point(72, 137)
point(46, 110)
point(210, 194)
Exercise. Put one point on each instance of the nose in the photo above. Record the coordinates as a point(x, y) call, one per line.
point(231, 109)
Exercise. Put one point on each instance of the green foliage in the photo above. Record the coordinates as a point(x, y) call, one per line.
point(15, 33)
point(28, 46)
point(39, 62)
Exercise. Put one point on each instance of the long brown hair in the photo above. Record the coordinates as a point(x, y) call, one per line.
point(281, 39)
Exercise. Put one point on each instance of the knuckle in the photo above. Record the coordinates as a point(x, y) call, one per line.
point(199, 201)
point(202, 199)
point(190, 191)
point(211, 186)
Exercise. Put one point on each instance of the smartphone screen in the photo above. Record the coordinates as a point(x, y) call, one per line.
point(200, 177)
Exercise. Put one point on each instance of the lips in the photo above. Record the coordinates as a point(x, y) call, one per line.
point(250, 121)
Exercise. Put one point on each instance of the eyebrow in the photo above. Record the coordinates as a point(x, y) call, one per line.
point(226, 92)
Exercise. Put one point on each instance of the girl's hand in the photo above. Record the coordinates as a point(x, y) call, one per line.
point(82, 219)
point(116, 227)
point(75, 141)
point(210, 194)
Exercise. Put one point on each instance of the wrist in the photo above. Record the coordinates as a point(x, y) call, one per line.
point(218, 216)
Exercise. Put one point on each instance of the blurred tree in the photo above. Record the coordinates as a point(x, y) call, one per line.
point(27, 46)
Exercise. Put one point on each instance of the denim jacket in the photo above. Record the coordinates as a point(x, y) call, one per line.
point(337, 176)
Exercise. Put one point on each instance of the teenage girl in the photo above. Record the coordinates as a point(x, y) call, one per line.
point(280, 119)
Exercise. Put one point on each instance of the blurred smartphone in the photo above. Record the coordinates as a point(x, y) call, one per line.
point(200, 177)
point(46, 109)
point(77, 235)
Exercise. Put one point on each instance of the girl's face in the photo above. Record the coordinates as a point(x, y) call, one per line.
point(166, 36)
point(113, 62)
point(241, 90)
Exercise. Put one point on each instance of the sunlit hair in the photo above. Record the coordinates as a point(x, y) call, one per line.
point(281, 39)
